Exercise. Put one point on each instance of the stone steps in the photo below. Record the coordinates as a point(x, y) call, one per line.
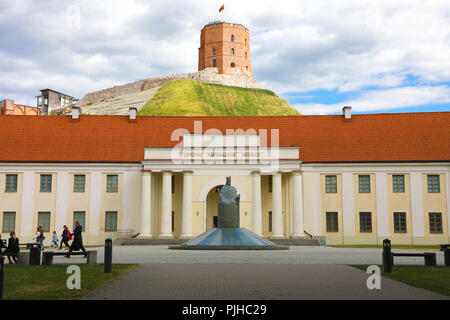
point(120, 105)
point(154, 242)
point(284, 242)
point(296, 242)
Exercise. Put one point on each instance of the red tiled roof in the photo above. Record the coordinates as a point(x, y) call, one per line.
point(365, 138)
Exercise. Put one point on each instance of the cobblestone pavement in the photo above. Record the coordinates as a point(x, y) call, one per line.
point(295, 255)
point(252, 281)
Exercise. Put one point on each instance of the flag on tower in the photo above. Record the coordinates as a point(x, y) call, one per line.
point(222, 8)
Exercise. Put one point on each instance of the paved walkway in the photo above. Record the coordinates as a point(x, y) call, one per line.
point(252, 281)
point(296, 255)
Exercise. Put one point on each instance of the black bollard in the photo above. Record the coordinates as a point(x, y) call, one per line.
point(447, 255)
point(108, 256)
point(2, 276)
point(387, 256)
point(35, 254)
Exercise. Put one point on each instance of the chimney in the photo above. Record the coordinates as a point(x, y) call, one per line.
point(9, 104)
point(76, 112)
point(132, 112)
point(347, 111)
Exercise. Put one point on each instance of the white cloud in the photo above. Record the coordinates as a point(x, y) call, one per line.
point(376, 100)
point(297, 46)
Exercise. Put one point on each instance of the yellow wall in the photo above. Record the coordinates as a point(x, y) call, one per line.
point(332, 202)
point(400, 202)
point(44, 202)
point(315, 203)
point(435, 202)
point(365, 202)
point(77, 201)
point(11, 202)
point(111, 201)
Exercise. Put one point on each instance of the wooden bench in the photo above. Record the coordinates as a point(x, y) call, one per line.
point(47, 256)
point(429, 257)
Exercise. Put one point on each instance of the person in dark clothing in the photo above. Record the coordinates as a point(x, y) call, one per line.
point(13, 247)
point(65, 238)
point(77, 243)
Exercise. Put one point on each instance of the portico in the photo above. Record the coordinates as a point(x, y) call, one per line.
point(175, 195)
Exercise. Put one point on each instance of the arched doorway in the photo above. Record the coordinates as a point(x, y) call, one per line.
point(211, 208)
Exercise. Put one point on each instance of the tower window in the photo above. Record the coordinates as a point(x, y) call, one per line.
point(245, 41)
point(214, 52)
point(232, 51)
point(233, 65)
point(214, 63)
point(232, 38)
point(246, 55)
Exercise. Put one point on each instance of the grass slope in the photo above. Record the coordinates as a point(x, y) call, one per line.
point(193, 98)
point(49, 282)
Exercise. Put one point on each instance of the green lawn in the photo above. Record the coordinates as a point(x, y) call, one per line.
point(435, 279)
point(193, 98)
point(405, 247)
point(49, 282)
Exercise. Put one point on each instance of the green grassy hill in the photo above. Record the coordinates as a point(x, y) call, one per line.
point(193, 98)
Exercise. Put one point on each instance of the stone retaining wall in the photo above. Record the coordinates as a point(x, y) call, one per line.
point(209, 75)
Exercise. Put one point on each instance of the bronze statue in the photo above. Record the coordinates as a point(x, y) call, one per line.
point(229, 235)
point(228, 206)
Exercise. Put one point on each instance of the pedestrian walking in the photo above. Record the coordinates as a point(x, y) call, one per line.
point(65, 237)
point(54, 240)
point(77, 243)
point(40, 237)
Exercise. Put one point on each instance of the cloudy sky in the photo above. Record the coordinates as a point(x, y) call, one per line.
point(377, 56)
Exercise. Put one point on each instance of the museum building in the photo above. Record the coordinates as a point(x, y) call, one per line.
point(346, 179)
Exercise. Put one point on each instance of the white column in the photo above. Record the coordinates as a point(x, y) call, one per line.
point(95, 201)
point(62, 194)
point(186, 218)
point(146, 205)
point(166, 206)
point(27, 229)
point(381, 193)
point(277, 216)
point(417, 215)
point(257, 206)
point(298, 229)
point(348, 204)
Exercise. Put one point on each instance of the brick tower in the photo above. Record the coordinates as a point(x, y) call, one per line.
point(225, 46)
